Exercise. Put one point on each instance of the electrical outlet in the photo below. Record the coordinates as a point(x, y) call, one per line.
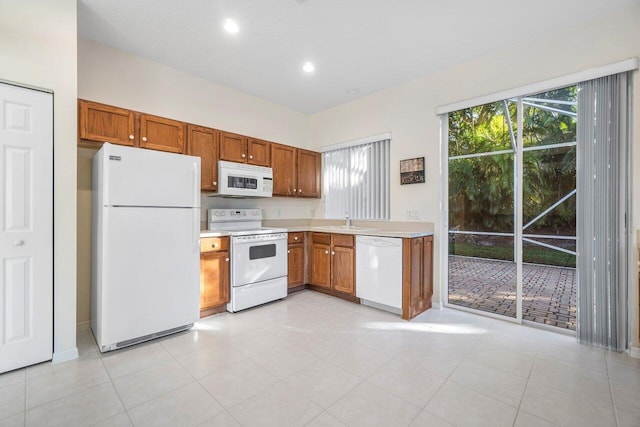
point(413, 214)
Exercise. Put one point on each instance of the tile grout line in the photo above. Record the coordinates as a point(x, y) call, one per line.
point(126, 411)
point(424, 407)
point(613, 402)
point(524, 391)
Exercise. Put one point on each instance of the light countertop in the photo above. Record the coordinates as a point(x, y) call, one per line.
point(361, 231)
point(363, 228)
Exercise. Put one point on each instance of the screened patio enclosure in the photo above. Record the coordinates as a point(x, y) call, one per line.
point(512, 208)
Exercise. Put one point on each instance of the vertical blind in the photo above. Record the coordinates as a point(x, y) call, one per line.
point(356, 181)
point(603, 197)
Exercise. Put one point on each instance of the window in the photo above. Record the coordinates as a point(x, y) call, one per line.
point(356, 179)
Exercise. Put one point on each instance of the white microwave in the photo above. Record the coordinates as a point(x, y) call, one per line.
point(241, 180)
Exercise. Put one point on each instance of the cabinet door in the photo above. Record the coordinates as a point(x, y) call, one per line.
point(283, 162)
point(104, 123)
point(233, 147)
point(308, 174)
point(417, 279)
point(158, 133)
point(320, 265)
point(259, 152)
point(214, 279)
point(343, 270)
point(295, 272)
point(203, 142)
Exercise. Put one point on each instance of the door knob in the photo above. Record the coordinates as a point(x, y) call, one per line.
point(226, 259)
point(333, 253)
point(326, 252)
point(251, 157)
point(214, 183)
point(288, 251)
point(243, 156)
point(130, 136)
point(18, 242)
point(295, 238)
point(144, 138)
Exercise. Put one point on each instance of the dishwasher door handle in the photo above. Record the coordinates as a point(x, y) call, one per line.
point(380, 242)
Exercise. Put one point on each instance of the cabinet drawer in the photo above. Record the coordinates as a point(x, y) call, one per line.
point(345, 240)
point(211, 244)
point(296, 237)
point(323, 238)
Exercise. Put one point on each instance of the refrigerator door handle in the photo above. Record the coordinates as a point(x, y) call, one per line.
point(196, 184)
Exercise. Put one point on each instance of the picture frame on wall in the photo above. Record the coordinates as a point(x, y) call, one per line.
point(412, 171)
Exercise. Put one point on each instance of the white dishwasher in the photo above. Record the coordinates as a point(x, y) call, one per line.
point(379, 272)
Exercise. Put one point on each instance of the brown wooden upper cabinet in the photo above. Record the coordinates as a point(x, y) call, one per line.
point(203, 142)
point(104, 123)
point(308, 173)
point(158, 133)
point(296, 172)
point(243, 149)
point(283, 163)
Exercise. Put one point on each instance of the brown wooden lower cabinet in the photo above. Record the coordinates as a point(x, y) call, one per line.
point(333, 262)
point(417, 275)
point(296, 261)
point(214, 274)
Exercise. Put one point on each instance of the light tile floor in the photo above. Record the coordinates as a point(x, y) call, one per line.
point(319, 361)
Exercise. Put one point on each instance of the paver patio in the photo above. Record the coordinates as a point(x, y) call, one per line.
point(549, 293)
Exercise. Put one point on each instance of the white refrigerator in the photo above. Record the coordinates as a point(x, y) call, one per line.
point(146, 253)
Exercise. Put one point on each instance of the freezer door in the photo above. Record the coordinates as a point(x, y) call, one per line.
point(148, 272)
point(139, 177)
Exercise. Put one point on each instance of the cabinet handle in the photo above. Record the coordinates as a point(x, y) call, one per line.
point(214, 245)
point(326, 252)
point(244, 155)
point(333, 252)
point(214, 183)
point(144, 138)
point(295, 238)
point(299, 190)
point(226, 259)
point(18, 242)
point(288, 251)
point(294, 190)
point(131, 136)
point(251, 157)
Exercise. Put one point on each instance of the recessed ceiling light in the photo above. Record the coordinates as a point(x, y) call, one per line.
point(353, 91)
point(308, 67)
point(230, 26)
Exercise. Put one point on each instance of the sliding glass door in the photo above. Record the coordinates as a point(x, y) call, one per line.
point(511, 208)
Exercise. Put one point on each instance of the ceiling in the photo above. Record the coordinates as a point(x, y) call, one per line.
point(358, 46)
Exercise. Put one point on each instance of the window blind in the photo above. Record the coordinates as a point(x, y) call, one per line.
point(356, 181)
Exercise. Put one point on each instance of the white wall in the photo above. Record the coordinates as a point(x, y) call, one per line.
point(409, 111)
point(118, 78)
point(38, 47)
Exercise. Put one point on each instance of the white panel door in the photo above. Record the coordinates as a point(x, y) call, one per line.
point(26, 221)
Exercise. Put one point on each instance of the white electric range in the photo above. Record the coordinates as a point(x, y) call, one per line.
point(258, 257)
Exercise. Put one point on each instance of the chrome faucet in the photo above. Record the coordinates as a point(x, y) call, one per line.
point(348, 219)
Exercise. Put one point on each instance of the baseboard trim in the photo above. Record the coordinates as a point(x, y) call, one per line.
point(64, 356)
point(83, 326)
point(437, 305)
point(634, 352)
